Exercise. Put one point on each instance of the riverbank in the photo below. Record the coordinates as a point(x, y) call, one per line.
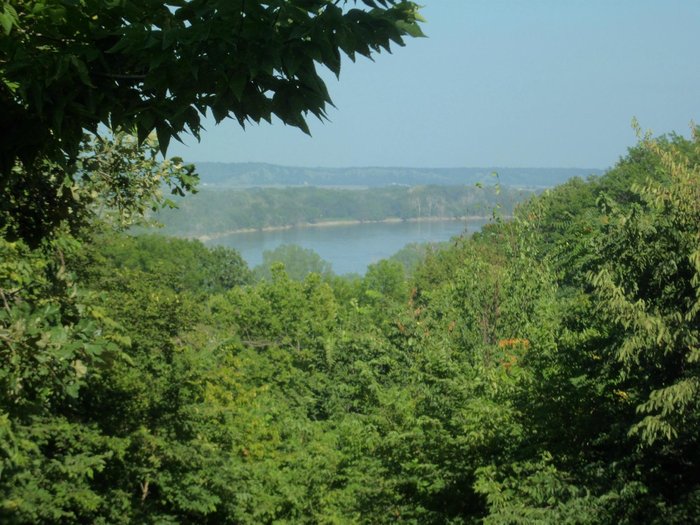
point(329, 224)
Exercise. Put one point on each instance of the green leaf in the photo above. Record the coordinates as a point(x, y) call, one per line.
point(6, 23)
point(81, 68)
point(163, 133)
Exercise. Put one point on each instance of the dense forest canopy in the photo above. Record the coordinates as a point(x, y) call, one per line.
point(545, 370)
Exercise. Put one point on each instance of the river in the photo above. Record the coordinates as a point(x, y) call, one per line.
point(349, 248)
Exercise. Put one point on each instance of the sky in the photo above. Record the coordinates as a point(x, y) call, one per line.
point(497, 83)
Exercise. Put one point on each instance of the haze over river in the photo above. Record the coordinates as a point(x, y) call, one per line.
point(349, 248)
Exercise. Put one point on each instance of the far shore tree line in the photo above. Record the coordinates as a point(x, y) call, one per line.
point(213, 211)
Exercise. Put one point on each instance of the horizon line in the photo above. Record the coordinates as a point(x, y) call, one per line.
point(485, 167)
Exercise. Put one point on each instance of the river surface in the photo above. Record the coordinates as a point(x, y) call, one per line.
point(349, 248)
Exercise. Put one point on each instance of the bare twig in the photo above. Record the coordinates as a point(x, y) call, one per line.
point(121, 76)
point(144, 490)
point(4, 300)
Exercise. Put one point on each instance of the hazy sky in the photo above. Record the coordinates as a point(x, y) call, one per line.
point(536, 83)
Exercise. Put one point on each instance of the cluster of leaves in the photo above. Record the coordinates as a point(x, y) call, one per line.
point(153, 66)
point(298, 262)
point(114, 180)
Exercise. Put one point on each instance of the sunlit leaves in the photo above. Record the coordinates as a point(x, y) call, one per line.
point(652, 291)
point(115, 178)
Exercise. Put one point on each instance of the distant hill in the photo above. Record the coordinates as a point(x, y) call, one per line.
point(259, 174)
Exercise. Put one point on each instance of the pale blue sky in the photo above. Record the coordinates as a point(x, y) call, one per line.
point(537, 83)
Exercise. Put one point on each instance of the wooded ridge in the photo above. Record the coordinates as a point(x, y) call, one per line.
point(260, 174)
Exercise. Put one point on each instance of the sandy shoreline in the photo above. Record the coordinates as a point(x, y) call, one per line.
point(330, 224)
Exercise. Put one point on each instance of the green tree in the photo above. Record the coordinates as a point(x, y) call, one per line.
point(115, 180)
point(385, 280)
point(298, 262)
point(182, 265)
point(609, 408)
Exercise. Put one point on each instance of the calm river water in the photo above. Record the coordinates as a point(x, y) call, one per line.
point(349, 248)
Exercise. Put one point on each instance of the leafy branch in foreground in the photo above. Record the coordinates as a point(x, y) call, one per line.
point(153, 66)
point(114, 179)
